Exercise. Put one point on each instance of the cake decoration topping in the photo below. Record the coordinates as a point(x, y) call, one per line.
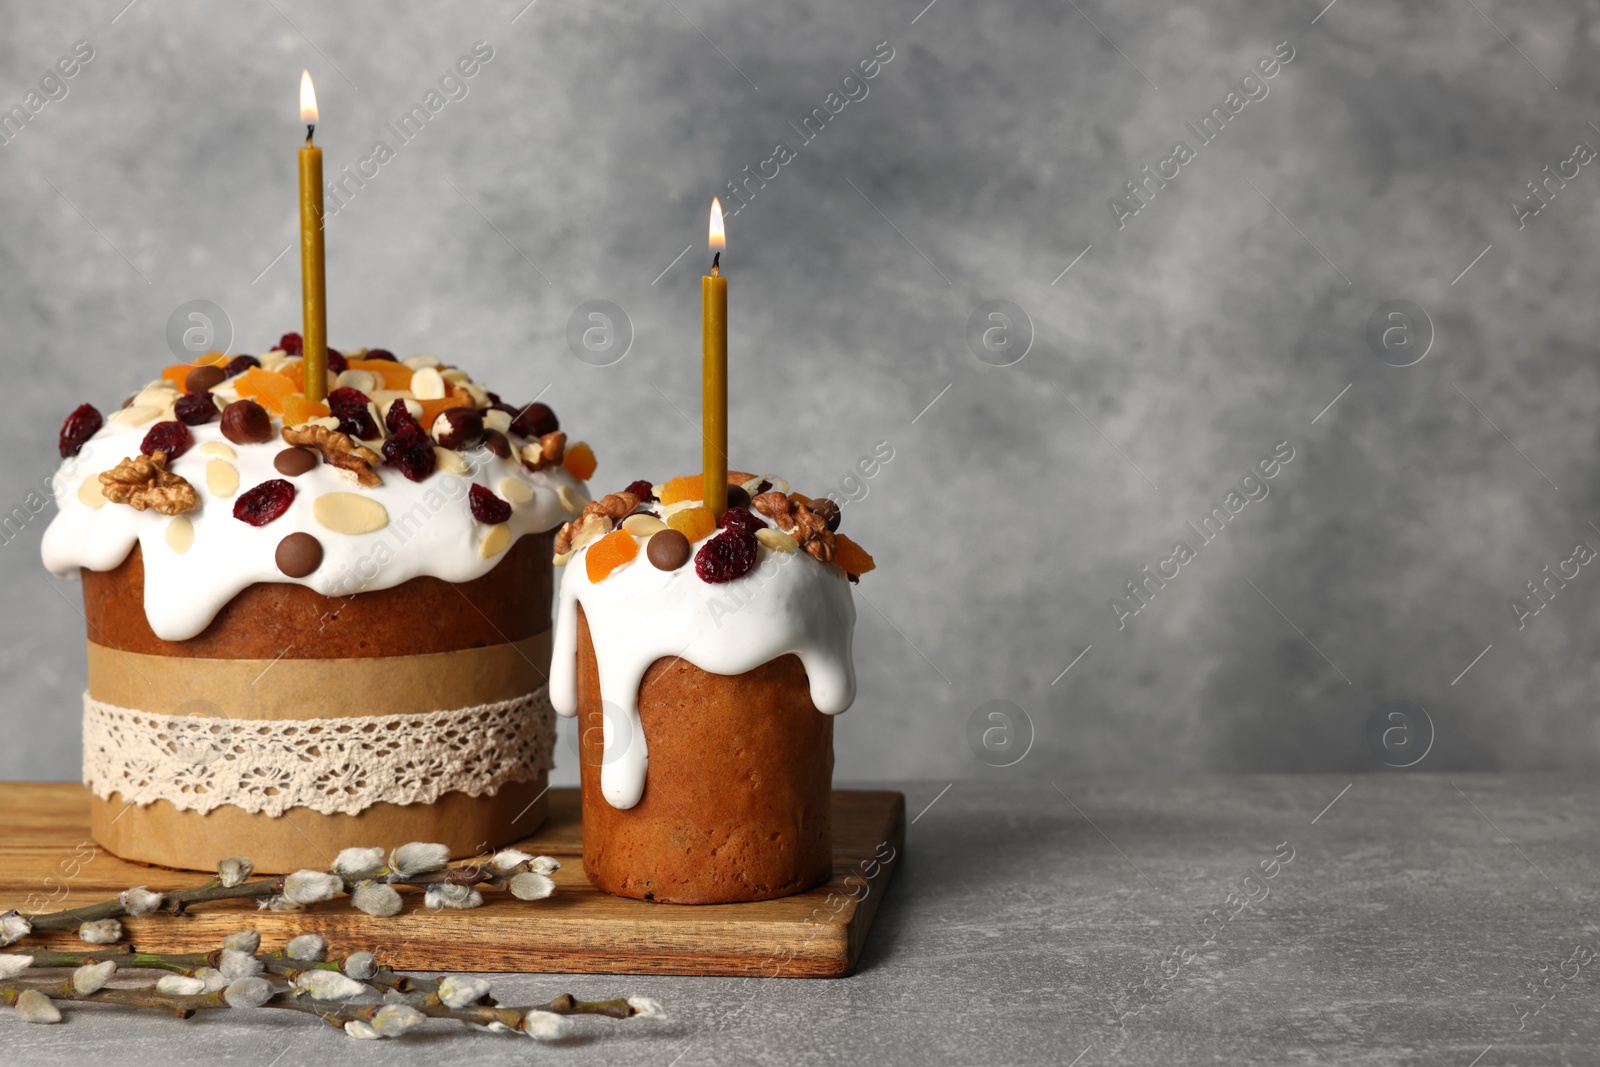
point(203, 379)
point(145, 482)
point(486, 507)
point(197, 407)
point(534, 420)
point(238, 365)
point(350, 513)
point(173, 438)
point(180, 534)
point(298, 554)
point(84, 422)
point(339, 451)
point(222, 478)
point(729, 555)
point(668, 550)
point(263, 503)
point(295, 461)
point(547, 452)
point(419, 524)
point(579, 461)
point(614, 550)
point(244, 422)
point(642, 490)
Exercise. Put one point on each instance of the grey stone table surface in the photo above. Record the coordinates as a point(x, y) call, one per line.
point(1394, 919)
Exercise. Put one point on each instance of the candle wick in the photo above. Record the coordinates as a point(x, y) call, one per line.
point(310, 128)
point(716, 263)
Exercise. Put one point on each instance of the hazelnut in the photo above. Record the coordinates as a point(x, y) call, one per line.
point(458, 428)
point(244, 422)
point(535, 420)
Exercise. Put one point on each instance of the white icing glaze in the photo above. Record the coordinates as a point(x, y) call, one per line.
point(789, 603)
point(430, 531)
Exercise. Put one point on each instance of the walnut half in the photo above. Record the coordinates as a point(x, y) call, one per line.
point(338, 450)
point(145, 482)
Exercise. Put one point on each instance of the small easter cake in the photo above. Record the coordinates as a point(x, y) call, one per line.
point(705, 661)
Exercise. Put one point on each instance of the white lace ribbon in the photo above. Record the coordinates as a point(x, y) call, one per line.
point(336, 765)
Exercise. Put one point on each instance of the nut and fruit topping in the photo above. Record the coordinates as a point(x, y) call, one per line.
point(350, 407)
point(486, 507)
point(145, 482)
point(339, 451)
point(458, 428)
point(222, 478)
point(349, 513)
point(84, 422)
point(614, 550)
point(729, 555)
point(197, 408)
point(204, 379)
point(548, 452)
point(263, 503)
point(244, 422)
point(694, 523)
point(173, 438)
point(797, 519)
point(535, 420)
point(580, 462)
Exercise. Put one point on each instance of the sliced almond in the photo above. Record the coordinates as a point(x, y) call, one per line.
point(180, 534)
point(449, 460)
point(560, 559)
point(419, 362)
point(428, 384)
point(363, 380)
point(274, 359)
point(222, 478)
point(570, 499)
point(497, 420)
point(349, 513)
point(669, 510)
point(91, 492)
point(779, 485)
point(218, 449)
point(591, 530)
point(327, 422)
point(155, 398)
point(643, 525)
point(480, 396)
point(496, 539)
point(515, 490)
point(135, 415)
point(776, 540)
point(455, 375)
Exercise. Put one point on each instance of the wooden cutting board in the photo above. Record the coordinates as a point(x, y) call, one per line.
point(48, 862)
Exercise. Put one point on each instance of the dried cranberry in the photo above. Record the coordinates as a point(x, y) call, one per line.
point(171, 437)
point(349, 406)
point(381, 353)
point(336, 361)
point(486, 507)
point(196, 409)
point(729, 555)
point(263, 503)
point(291, 344)
point(238, 365)
point(643, 490)
point(411, 451)
point(535, 420)
point(399, 420)
point(84, 422)
point(741, 519)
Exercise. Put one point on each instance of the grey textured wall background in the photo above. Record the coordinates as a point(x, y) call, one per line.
point(1221, 319)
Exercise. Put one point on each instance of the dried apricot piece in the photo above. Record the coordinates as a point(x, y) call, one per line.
point(268, 388)
point(431, 408)
point(179, 372)
point(396, 376)
point(689, 487)
point(851, 556)
point(693, 523)
point(610, 552)
point(579, 461)
point(297, 409)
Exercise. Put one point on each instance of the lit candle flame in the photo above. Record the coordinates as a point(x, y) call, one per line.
point(308, 99)
point(718, 239)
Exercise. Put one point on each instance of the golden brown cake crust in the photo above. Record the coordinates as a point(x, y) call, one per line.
point(737, 795)
point(422, 615)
